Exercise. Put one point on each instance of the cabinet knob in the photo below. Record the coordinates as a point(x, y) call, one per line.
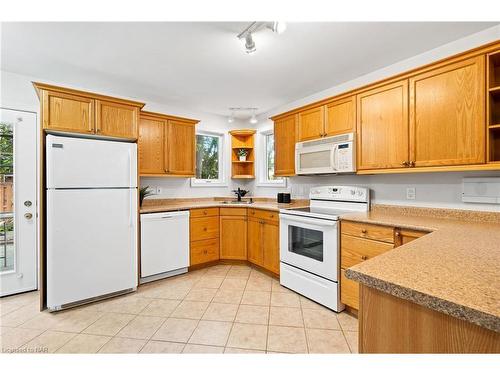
point(272, 216)
point(205, 229)
point(364, 257)
point(397, 234)
point(205, 212)
point(363, 231)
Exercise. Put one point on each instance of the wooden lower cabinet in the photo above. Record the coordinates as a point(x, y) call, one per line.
point(263, 240)
point(388, 324)
point(254, 230)
point(204, 251)
point(362, 241)
point(271, 246)
point(236, 234)
point(233, 237)
point(204, 236)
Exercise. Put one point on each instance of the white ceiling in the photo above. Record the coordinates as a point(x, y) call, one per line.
point(202, 66)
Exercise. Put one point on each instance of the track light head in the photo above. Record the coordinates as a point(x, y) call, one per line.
point(249, 44)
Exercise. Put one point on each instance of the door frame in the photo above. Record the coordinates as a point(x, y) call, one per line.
point(37, 198)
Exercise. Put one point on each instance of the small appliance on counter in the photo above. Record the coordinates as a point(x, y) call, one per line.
point(284, 198)
point(309, 242)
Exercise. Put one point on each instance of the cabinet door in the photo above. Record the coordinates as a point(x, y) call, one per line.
point(311, 123)
point(233, 237)
point(382, 127)
point(150, 145)
point(116, 119)
point(340, 116)
point(67, 112)
point(271, 247)
point(284, 146)
point(255, 254)
point(181, 148)
point(403, 236)
point(447, 123)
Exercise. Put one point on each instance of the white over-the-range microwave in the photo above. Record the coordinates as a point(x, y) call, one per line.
point(330, 155)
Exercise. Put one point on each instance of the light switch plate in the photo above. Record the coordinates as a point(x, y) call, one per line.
point(411, 193)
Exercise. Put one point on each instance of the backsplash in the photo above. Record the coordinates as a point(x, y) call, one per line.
point(443, 190)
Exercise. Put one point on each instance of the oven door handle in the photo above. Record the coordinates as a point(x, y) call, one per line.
point(305, 220)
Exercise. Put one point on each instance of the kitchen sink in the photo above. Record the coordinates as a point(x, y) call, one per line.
point(236, 202)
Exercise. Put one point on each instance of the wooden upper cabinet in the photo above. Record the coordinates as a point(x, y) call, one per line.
point(74, 111)
point(311, 123)
point(166, 145)
point(382, 127)
point(181, 148)
point(116, 119)
point(151, 146)
point(447, 120)
point(67, 112)
point(340, 116)
point(284, 146)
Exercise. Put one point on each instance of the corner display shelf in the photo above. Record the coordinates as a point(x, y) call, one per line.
point(242, 139)
point(493, 106)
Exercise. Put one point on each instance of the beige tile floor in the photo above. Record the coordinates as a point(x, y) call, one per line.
point(221, 309)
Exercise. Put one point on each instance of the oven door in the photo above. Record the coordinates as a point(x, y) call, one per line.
point(310, 244)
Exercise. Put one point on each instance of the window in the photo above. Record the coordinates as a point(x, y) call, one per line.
point(266, 176)
point(209, 168)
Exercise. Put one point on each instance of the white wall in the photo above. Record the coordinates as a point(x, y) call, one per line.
point(17, 92)
point(432, 189)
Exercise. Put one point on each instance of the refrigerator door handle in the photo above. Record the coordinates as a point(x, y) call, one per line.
point(131, 204)
point(130, 169)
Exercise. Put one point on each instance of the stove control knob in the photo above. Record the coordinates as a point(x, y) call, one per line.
point(360, 193)
point(353, 192)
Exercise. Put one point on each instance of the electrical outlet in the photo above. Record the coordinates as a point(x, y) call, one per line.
point(158, 190)
point(411, 193)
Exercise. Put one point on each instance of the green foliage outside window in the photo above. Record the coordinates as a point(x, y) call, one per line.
point(207, 157)
point(6, 149)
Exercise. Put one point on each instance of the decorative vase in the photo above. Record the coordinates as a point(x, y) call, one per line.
point(243, 158)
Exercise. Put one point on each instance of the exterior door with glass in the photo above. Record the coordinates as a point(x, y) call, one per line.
point(18, 202)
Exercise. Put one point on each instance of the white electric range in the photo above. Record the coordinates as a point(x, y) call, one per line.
point(310, 242)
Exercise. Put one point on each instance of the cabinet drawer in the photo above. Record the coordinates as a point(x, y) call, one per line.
point(371, 231)
point(202, 212)
point(204, 228)
point(263, 214)
point(230, 211)
point(349, 291)
point(355, 250)
point(204, 251)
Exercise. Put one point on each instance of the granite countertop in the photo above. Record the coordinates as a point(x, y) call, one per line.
point(163, 205)
point(455, 269)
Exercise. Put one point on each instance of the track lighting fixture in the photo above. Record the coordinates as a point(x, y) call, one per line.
point(253, 119)
point(247, 34)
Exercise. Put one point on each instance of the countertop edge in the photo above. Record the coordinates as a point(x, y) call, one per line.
point(458, 311)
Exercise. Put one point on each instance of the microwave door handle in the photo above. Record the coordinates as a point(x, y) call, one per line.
point(334, 156)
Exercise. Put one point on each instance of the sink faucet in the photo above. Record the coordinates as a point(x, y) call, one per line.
point(240, 193)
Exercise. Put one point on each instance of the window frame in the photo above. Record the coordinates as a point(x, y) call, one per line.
point(221, 181)
point(262, 180)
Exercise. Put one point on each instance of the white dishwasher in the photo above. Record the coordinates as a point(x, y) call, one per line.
point(164, 244)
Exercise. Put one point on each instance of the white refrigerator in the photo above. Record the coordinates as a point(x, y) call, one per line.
point(91, 219)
